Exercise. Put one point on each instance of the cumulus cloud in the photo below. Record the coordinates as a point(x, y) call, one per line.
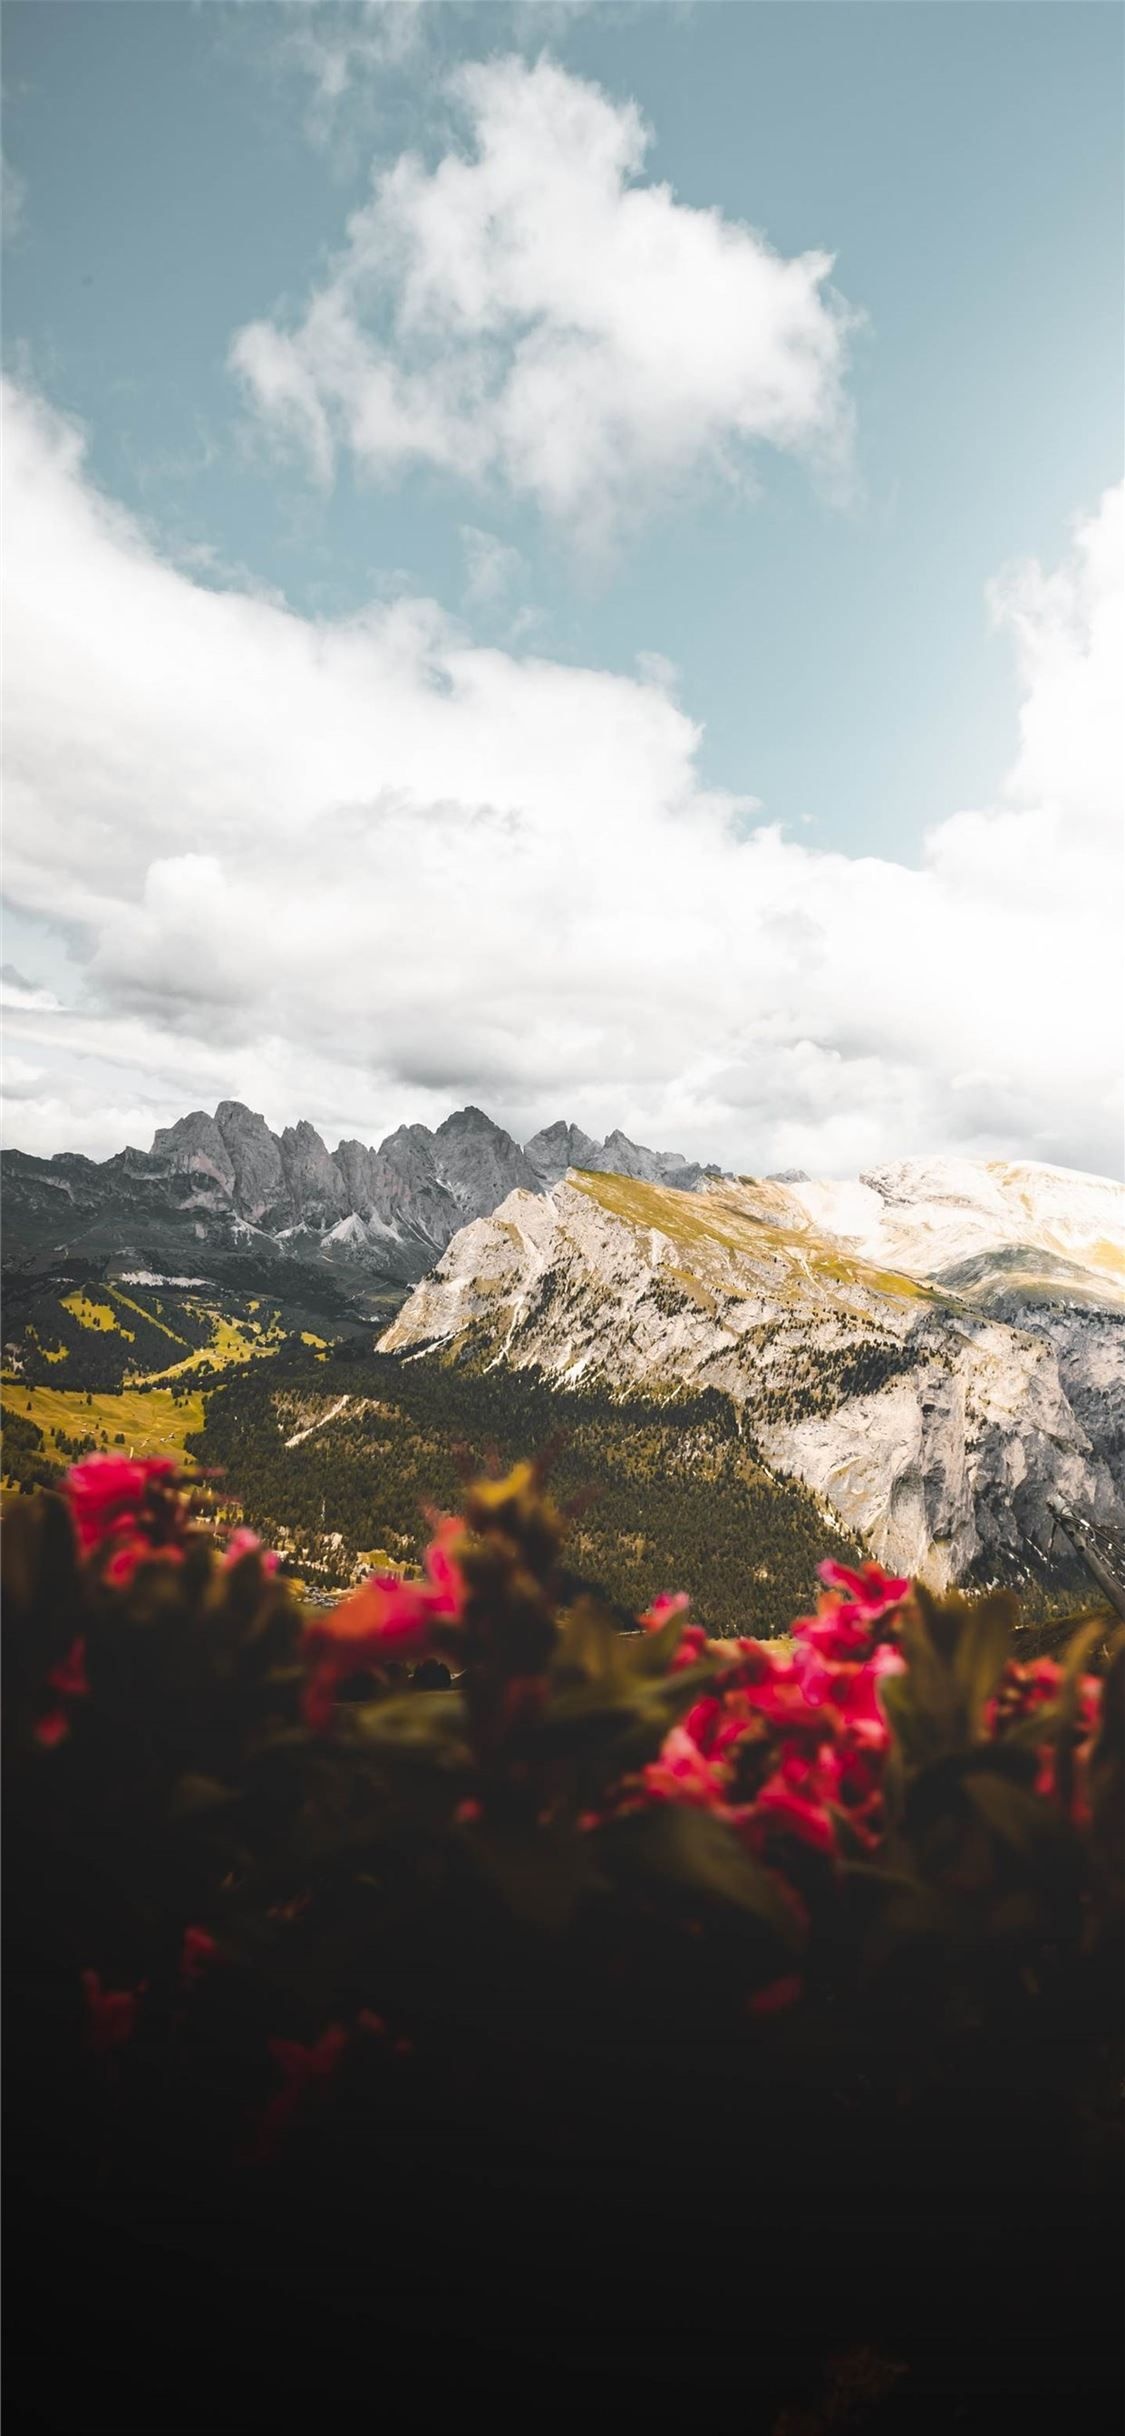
point(531, 311)
point(365, 869)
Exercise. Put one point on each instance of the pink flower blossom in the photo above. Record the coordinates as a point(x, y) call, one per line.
point(243, 1542)
point(107, 1493)
point(111, 2013)
point(385, 1619)
point(682, 1774)
point(779, 1994)
point(197, 1952)
point(667, 1603)
point(302, 2068)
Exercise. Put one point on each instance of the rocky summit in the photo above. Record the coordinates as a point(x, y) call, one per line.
point(937, 1350)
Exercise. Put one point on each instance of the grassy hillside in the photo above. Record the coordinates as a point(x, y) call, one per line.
point(92, 1362)
point(141, 1420)
point(103, 1335)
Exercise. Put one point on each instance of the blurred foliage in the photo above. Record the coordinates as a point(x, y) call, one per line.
point(456, 1967)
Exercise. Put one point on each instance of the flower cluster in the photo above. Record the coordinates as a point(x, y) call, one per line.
point(1033, 1693)
point(132, 1510)
point(385, 1622)
point(127, 1512)
point(790, 1744)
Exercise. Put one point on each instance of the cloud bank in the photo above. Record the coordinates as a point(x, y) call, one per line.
point(367, 870)
point(529, 312)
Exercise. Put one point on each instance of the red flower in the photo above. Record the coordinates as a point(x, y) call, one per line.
point(197, 1951)
point(384, 1619)
point(874, 1592)
point(111, 2013)
point(243, 1542)
point(52, 1729)
point(107, 1493)
point(783, 1805)
point(69, 1675)
point(775, 1997)
point(1022, 1689)
point(668, 1603)
point(122, 1565)
point(301, 2069)
point(682, 1774)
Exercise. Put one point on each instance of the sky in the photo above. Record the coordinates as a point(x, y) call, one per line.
point(568, 558)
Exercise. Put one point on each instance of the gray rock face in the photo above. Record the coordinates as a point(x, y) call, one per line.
point(936, 1429)
point(317, 1192)
point(255, 1156)
point(619, 1156)
point(194, 1146)
point(561, 1146)
point(558, 1147)
point(479, 1163)
point(358, 1166)
point(408, 1197)
point(407, 1191)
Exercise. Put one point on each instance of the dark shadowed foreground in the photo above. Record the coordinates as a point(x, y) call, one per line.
point(645, 2025)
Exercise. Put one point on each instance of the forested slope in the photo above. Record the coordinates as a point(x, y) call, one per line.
point(672, 1496)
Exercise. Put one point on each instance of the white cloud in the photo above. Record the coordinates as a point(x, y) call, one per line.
point(492, 566)
point(364, 870)
point(529, 310)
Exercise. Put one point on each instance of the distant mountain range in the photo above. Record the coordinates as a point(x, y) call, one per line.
point(226, 1185)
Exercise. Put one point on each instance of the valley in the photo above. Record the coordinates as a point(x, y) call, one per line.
point(750, 1372)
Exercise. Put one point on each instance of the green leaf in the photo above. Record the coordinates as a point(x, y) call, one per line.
point(675, 1844)
point(589, 1647)
point(416, 1727)
point(1019, 1818)
point(542, 1873)
point(982, 1647)
point(195, 1796)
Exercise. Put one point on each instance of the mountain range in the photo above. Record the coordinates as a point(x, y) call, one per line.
point(226, 1185)
point(935, 1350)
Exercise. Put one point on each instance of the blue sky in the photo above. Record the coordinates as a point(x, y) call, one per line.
point(184, 174)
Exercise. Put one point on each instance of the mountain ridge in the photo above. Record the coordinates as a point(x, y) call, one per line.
point(227, 1178)
point(936, 1426)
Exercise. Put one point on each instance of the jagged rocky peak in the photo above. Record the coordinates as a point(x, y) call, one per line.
point(558, 1147)
point(317, 1192)
point(621, 1157)
point(561, 1146)
point(194, 1146)
point(359, 1167)
point(255, 1155)
point(479, 1163)
point(406, 1189)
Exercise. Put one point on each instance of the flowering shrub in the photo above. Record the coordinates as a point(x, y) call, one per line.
point(274, 1915)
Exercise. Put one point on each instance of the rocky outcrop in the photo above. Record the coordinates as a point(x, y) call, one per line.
point(936, 1429)
point(358, 1166)
point(479, 1163)
point(557, 1148)
point(194, 1146)
point(316, 1189)
point(260, 1191)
